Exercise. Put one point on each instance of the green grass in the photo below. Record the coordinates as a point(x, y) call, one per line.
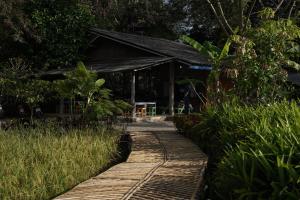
point(44, 162)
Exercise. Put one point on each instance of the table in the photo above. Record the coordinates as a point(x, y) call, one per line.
point(145, 105)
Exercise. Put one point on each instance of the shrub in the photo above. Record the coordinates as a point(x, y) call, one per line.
point(185, 122)
point(254, 152)
point(264, 162)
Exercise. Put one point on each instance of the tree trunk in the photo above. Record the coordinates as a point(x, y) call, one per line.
point(31, 115)
point(217, 16)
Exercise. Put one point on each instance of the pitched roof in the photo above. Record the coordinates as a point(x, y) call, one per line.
point(167, 48)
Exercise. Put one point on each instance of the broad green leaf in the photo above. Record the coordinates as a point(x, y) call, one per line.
point(196, 45)
point(225, 50)
point(99, 82)
point(292, 64)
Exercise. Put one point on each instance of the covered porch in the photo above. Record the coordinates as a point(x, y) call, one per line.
point(155, 89)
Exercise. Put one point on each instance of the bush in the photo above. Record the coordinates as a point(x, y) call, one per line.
point(263, 161)
point(254, 151)
point(185, 122)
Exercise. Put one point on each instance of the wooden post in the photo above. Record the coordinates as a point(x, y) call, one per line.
point(61, 106)
point(171, 89)
point(133, 93)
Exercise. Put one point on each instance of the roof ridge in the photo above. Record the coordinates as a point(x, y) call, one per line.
point(157, 46)
point(133, 34)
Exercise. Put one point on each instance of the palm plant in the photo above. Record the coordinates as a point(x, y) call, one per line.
point(84, 84)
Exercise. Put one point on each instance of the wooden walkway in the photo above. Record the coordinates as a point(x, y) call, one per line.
point(162, 165)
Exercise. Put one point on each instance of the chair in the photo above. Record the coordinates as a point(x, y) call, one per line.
point(152, 110)
point(179, 110)
point(141, 112)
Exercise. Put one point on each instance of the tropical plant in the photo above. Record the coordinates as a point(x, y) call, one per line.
point(216, 56)
point(84, 84)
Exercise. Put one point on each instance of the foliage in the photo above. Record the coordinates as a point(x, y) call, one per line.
point(244, 13)
point(260, 57)
point(185, 123)
point(15, 81)
point(150, 17)
point(42, 163)
point(62, 27)
point(265, 162)
point(15, 29)
point(97, 101)
point(253, 151)
point(32, 92)
point(216, 56)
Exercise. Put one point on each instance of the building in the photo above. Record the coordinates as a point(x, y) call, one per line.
point(145, 69)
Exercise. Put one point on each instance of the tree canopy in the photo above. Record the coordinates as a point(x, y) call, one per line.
point(53, 34)
point(48, 34)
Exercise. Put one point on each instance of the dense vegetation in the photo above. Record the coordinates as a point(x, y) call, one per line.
point(53, 34)
point(42, 162)
point(249, 131)
point(253, 150)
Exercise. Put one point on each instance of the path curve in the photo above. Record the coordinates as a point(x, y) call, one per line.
point(162, 165)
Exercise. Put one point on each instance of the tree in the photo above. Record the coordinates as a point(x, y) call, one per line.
point(245, 10)
point(32, 92)
point(16, 81)
point(16, 31)
point(149, 17)
point(48, 34)
point(263, 56)
point(62, 27)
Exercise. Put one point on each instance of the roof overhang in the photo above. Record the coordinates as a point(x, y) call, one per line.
point(115, 66)
point(128, 65)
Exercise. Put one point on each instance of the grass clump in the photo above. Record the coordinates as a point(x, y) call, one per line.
point(41, 163)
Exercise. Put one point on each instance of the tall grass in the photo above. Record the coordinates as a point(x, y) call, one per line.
point(41, 163)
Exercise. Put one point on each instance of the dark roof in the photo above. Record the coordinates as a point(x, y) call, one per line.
point(115, 65)
point(181, 52)
point(294, 78)
point(128, 64)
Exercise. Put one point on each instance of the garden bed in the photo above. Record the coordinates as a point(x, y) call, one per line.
point(42, 163)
